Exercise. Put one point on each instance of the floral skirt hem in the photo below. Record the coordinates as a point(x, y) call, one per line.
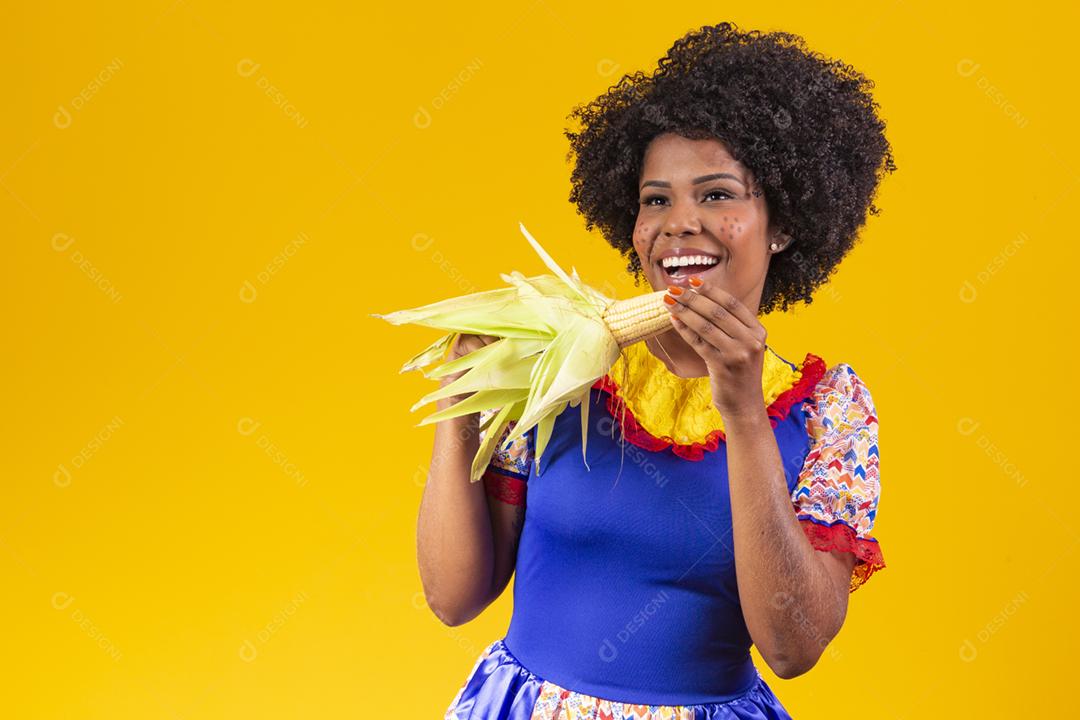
point(500, 688)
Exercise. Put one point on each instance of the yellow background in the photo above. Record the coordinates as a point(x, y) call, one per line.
point(211, 474)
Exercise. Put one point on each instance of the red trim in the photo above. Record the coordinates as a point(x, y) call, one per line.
point(813, 368)
point(842, 537)
point(505, 488)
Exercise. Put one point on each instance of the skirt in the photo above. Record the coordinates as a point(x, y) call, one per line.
point(500, 688)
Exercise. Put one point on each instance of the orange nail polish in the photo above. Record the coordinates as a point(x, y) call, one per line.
point(695, 281)
point(670, 300)
point(675, 290)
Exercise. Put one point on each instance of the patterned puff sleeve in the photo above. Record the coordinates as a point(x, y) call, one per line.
point(837, 493)
point(507, 472)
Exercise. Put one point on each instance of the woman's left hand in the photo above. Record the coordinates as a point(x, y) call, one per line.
point(730, 340)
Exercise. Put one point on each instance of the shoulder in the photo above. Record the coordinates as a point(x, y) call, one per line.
point(839, 400)
point(841, 420)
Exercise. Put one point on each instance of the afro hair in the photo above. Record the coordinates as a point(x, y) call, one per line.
point(806, 127)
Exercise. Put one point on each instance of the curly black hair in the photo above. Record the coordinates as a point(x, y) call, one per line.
point(806, 127)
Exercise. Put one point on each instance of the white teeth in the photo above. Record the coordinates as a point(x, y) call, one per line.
point(674, 261)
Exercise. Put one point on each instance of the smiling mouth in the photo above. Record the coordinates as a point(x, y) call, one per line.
point(680, 274)
point(677, 271)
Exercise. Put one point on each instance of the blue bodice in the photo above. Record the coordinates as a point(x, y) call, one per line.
point(625, 582)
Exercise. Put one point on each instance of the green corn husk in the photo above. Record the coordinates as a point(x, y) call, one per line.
point(553, 345)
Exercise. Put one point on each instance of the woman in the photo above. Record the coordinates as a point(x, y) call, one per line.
point(730, 494)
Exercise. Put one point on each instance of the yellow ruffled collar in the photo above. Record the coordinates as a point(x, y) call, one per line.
point(679, 411)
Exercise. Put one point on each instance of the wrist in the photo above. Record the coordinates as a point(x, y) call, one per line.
point(446, 402)
point(443, 403)
point(748, 419)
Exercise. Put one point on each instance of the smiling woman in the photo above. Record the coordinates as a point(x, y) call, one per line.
point(743, 514)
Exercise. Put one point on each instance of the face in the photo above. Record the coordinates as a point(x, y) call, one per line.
point(696, 200)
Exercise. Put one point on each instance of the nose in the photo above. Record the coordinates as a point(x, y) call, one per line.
point(682, 219)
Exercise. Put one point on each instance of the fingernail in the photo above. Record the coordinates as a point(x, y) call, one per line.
point(670, 300)
point(695, 281)
point(675, 290)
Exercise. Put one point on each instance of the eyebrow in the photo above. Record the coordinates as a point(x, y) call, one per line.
point(695, 181)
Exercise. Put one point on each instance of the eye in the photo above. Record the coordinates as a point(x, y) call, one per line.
point(648, 201)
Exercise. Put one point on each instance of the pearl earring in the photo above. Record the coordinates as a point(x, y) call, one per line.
point(773, 247)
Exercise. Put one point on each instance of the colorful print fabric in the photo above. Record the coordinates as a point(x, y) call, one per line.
point(839, 487)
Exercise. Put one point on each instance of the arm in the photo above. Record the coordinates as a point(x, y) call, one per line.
point(506, 521)
point(466, 540)
point(794, 597)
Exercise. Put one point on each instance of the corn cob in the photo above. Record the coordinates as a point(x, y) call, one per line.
point(637, 318)
point(557, 336)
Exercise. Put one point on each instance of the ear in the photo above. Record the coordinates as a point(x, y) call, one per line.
point(782, 240)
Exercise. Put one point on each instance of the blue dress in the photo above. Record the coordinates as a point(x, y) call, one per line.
point(626, 603)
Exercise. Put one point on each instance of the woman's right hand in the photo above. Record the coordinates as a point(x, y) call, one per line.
point(463, 345)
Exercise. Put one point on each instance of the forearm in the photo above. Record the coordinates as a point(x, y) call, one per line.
point(789, 601)
point(454, 537)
